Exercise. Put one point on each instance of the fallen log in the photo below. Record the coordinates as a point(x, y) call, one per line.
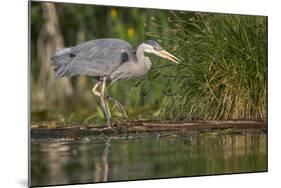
point(148, 126)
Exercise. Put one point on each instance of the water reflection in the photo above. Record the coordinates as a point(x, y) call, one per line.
point(100, 159)
point(101, 173)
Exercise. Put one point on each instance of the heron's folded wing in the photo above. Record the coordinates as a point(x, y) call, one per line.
point(100, 57)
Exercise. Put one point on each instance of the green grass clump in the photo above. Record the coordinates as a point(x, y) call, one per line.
point(223, 74)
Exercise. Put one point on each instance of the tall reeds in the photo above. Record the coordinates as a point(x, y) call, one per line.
point(223, 74)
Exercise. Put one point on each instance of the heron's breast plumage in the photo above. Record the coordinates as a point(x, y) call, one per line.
point(131, 69)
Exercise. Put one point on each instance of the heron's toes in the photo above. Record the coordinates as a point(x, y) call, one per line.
point(121, 107)
point(115, 129)
point(117, 104)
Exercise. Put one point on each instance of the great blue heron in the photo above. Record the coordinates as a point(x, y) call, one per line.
point(107, 60)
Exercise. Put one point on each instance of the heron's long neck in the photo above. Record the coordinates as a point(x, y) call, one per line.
point(142, 60)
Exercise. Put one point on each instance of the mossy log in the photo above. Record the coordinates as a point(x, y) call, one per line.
point(148, 126)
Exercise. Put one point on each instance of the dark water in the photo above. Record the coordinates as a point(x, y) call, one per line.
point(104, 158)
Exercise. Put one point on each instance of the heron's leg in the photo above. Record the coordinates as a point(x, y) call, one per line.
point(94, 90)
point(117, 103)
point(105, 104)
point(104, 96)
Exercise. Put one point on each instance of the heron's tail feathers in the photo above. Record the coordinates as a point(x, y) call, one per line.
point(62, 62)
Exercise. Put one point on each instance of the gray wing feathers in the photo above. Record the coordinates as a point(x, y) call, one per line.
point(61, 62)
point(98, 57)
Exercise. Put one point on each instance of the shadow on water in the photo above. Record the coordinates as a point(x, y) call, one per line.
point(130, 157)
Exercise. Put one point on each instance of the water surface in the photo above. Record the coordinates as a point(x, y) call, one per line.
point(145, 156)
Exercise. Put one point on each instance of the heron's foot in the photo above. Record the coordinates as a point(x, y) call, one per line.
point(114, 128)
point(117, 104)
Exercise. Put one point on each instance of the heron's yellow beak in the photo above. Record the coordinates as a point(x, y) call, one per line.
point(167, 55)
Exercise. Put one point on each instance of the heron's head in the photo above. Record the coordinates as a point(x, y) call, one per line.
point(154, 48)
